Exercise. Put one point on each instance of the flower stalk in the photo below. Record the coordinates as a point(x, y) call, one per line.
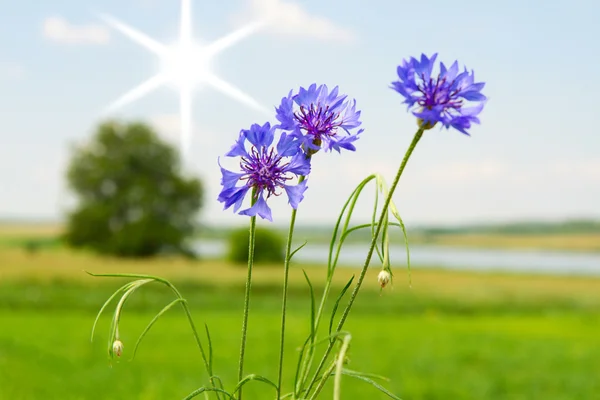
point(363, 271)
point(286, 271)
point(251, 240)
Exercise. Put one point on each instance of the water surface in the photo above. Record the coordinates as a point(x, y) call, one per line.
point(459, 258)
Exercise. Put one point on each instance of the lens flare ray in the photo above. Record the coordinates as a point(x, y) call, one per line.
point(228, 40)
point(135, 35)
point(233, 92)
point(140, 91)
point(187, 66)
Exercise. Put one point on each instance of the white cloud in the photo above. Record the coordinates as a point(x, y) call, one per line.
point(60, 30)
point(11, 70)
point(289, 18)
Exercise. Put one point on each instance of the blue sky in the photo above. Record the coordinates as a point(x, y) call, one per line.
point(536, 154)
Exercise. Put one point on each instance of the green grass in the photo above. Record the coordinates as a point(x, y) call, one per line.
point(453, 335)
point(432, 356)
point(428, 347)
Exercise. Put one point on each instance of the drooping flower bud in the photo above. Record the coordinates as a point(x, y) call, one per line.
point(384, 278)
point(117, 348)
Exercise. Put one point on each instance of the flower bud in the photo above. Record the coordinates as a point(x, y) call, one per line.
point(117, 348)
point(384, 278)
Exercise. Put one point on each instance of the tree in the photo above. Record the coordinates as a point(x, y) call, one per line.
point(133, 200)
point(268, 246)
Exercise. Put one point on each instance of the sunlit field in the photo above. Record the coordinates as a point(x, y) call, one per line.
point(458, 335)
point(574, 242)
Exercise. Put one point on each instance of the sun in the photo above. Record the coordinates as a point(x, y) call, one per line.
point(185, 65)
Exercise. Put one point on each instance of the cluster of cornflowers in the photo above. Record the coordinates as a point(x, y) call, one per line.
point(311, 120)
point(276, 159)
point(316, 119)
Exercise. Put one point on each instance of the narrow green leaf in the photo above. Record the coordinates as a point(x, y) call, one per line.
point(339, 367)
point(349, 205)
point(364, 226)
point(337, 302)
point(312, 305)
point(299, 366)
point(218, 379)
point(139, 276)
point(114, 326)
point(204, 389)
point(373, 383)
point(327, 339)
point(299, 247)
point(210, 349)
point(254, 377)
point(396, 214)
point(350, 372)
point(152, 322)
point(106, 303)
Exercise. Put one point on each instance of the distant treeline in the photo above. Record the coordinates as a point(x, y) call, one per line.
point(528, 228)
point(323, 233)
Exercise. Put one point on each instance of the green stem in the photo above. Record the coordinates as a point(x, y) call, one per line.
point(247, 296)
point(323, 380)
point(197, 337)
point(363, 272)
point(286, 270)
point(331, 265)
point(184, 304)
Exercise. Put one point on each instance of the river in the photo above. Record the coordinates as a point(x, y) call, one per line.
point(459, 258)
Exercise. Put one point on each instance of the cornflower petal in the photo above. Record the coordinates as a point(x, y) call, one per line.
point(260, 135)
point(299, 165)
point(260, 208)
point(288, 145)
point(473, 95)
point(295, 193)
point(308, 96)
point(233, 196)
point(238, 149)
point(285, 112)
point(345, 143)
point(229, 178)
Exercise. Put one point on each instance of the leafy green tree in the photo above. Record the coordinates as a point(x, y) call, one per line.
point(133, 200)
point(268, 246)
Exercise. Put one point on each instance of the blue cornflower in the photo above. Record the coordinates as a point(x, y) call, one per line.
point(266, 169)
point(440, 99)
point(321, 120)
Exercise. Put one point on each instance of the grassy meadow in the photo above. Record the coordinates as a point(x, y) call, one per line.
point(449, 335)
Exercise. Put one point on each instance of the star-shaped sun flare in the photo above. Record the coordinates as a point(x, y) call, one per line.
point(185, 65)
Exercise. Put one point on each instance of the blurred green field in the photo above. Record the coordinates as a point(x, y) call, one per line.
point(431, 356)
point(452, 335)
point(570, 242)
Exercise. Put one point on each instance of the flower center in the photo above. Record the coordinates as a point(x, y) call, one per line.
point(438, 92)
point(264, 170)
point(318, 121)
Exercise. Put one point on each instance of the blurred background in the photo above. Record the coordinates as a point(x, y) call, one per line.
point(111, 131)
